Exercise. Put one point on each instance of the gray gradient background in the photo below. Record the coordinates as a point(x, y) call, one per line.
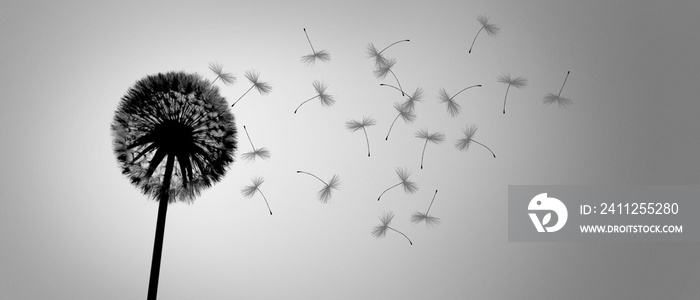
point(72, 227)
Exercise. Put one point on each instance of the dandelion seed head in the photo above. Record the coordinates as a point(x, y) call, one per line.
point(250, 190)
point(218, 69)
point(326, 99)
point(408, 186)
point(413, 99)
point(354, 125)
point(324, 195)
point(176, 115)
point(262, 87)
point(560, 101)
point(262, 153)
point(380, 230)
point(435, 137)
point(379, 59)
point(463, 143)
point(310, 59)
point(405, 112)
point(518, 82)
point(453, 107)
point(382, 70)
point(491, 29)
point(430, 221)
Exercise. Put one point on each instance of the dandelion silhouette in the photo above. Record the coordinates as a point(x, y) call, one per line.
point(218, 69)
point(405, 113)
point(259, 152)
point(412, 99)
point(491, 29)
point(254, 78)
point(173, 137)
point(324, 195)
point(463, 143)
point(354, 125)
point(320, 87)
point(408, 186)
point(249, 190)
point(385, 69)
point(379, 59)
point(418, 217)
point(452, 106)
point(379, 231)
point(435, 137)
point(310, 59)
point(560, 101)
point(518, 82)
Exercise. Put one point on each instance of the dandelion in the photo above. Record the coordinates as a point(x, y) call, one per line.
point(173, 137)
point(379, 231)
point(254, 78)
point(412, 99)
point(418, 217)
point(405, 113)
point(218, 69)
point(491, 29)
point(518, 82)
point(259, 152)
point(385, 69)
point(561, 101)
point(324, 195)
point(463, 143)
point(452, 106)
point(435, 137)
point(379, 59)
point(310, 59)
point(408, 186)
point(353, 126)
point(320, 87)
point(250, 190)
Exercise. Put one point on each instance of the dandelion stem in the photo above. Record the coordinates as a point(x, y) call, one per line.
point(505, 98)
point(422, 155)
point(409, 240)
point(393, 186)
point(392, 126)
point(477, 34)
point(394, 43)
point(431, 202)
point(562, 85)
point(398, 89)
point(397, 81)
point(313, 176)
point(217, 77)
point(268, 204)
point(367, 139)
point(307, 38)
point(494, 155)
point(246, 92)
point(314, 97)
point(464, 89)
point(160, 228)
point(251, 141)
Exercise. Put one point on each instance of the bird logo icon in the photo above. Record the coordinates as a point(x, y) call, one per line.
point(543, 203)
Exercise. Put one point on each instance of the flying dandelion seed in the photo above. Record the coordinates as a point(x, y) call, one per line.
point(430, 221)
point(435, 137)
point(463, 143)
point(173, 137)
point(560, 101)
point(381, 72)
point(310, 59)
point(452, 106)
point(324, 195)
point(518, 82)
point(259, 152)
point(254, 78)
point(405, 113)
point(379, 59)
point(354, 125)
point(408, 186)
point(491, 29)
point(249, 190)
point(379, 231)
point(218, 69)
point(320, 87)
